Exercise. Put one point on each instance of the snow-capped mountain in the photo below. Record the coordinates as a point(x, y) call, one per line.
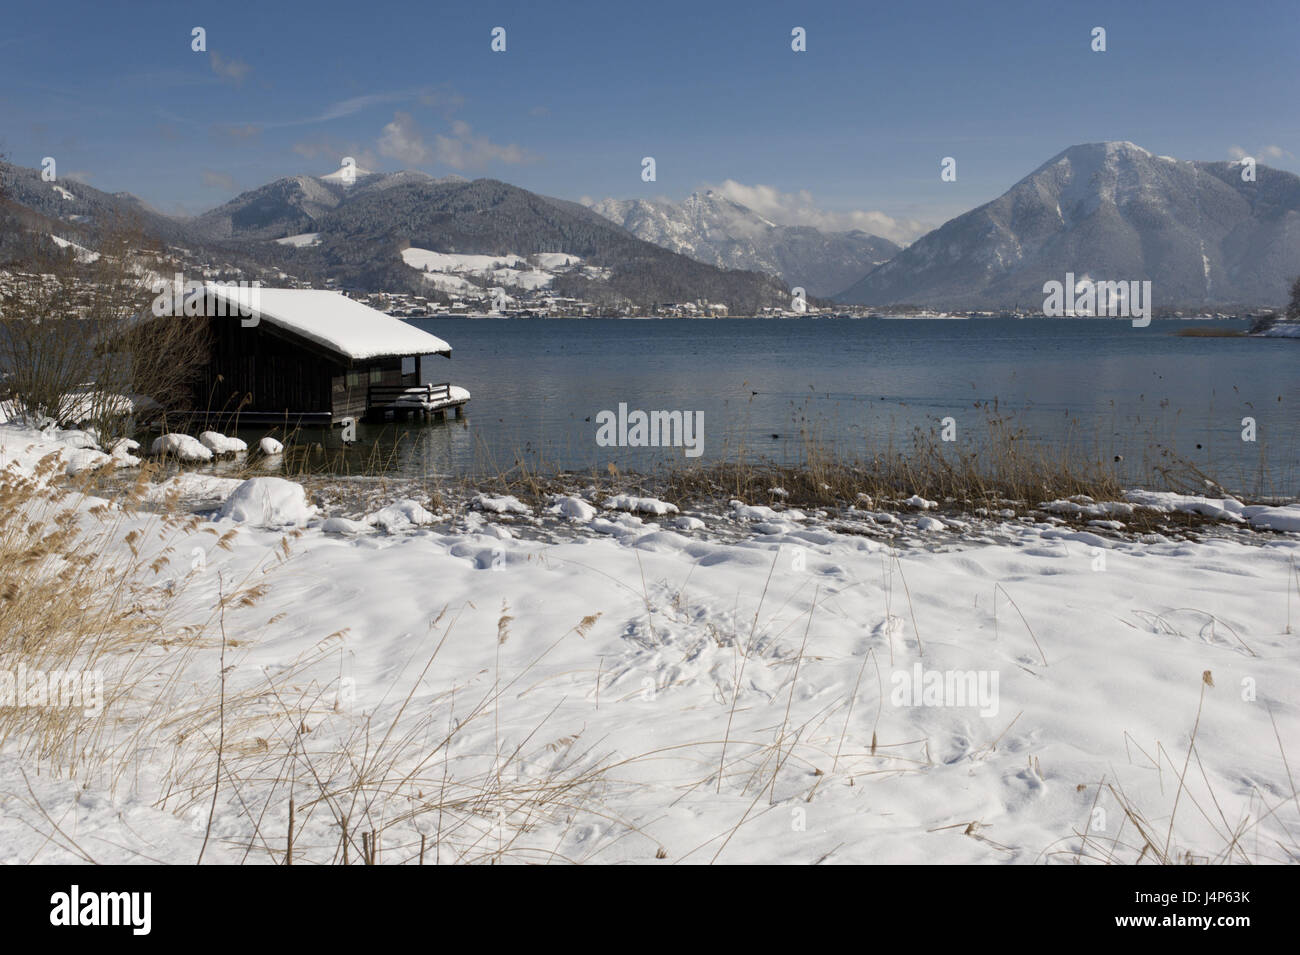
point(402, 231)
point(711, 228)
point(74, 205)
point(294, 205)
point(367, 236)
point(1201, 232)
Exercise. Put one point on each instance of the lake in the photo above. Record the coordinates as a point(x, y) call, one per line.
point(764, 388)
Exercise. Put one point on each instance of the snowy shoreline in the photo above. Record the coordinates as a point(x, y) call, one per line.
point(812, 658)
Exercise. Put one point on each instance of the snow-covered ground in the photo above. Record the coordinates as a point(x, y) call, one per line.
point(302, 240)
point(82, 253)
point(750, 685)
point(448, 271)
point(1283, 329)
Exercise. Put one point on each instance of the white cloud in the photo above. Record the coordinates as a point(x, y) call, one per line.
point(234, 70)
point(463, 149)
point(1265, 152)
point(402, 140)
point(354, 104)
point(799, 208)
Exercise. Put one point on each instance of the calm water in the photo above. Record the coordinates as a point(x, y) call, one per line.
point(764, 386)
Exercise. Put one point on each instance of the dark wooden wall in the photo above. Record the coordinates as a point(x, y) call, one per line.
point(351, 387)
point(276, 374)
point(267, 371)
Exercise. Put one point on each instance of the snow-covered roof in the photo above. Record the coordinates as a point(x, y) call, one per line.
point(333, 320)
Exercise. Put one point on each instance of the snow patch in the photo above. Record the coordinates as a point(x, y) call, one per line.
point(268, 502)
point(183, 447)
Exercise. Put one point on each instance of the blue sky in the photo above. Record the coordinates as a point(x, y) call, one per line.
point(849, 133)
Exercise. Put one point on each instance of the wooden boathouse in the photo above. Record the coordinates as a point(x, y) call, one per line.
point(310, 356)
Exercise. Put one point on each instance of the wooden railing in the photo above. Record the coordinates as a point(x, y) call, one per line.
point(384, 396)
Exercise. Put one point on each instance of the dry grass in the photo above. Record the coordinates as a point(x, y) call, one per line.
point(1006, 470)
point(277, 766)
point(1143, 837)
point(88, 584)
point(1210, 333)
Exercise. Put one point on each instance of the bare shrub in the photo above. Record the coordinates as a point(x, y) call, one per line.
point(78, 342)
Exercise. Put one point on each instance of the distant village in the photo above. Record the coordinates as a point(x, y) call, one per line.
point(472, 301)
point(525, 305)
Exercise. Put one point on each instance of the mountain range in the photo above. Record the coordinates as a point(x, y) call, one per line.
point(360, 229)
point(712, 228)
point(1204, 233)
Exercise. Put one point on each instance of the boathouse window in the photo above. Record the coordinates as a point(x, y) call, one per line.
point(376, 375)
point(354, 379)
point(408, 366)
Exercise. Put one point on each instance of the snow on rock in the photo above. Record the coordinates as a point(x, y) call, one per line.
point(401, 516)
point(123, 453)
point(880, 517)
point(639, 505)
point(759, 512)
point(219, 444)
point(342, 525)
point(76, 439)
point(192, 486)
point(917, 502)
point(1083, 506)
point(1274, 518)
point(625, 525)
point(270, 446)
point(1167, 502)
point(503, 504)
point(689, 524)
point(926, 523)
point(180, 446)
point(574, 508)
point(84, 459)
point(268, 502)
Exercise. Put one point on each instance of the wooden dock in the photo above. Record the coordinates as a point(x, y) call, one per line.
point(428, 400)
